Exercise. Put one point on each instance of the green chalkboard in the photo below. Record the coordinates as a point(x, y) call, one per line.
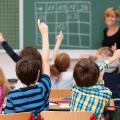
point(80, 20)
point(9, 21)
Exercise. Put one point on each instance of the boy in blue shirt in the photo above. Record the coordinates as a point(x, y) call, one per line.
point(34, 97)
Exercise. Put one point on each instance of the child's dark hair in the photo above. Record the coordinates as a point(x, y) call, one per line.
point(61, 64)
point(86, 73)
point(33, 53)
point(27, 70)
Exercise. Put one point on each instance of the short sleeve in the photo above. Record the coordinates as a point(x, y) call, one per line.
point(103, 65)
point(45, 82)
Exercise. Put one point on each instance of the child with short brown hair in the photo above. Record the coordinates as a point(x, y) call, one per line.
point(89, 93)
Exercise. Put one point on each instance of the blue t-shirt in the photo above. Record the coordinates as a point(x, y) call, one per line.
point(30, 99)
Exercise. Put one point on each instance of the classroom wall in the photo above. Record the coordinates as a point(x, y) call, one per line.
point(7, 65)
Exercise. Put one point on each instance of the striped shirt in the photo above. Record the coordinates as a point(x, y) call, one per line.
point(92, 99)
point(30, 99)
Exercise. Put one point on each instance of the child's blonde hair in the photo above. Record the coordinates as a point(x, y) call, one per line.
point(110, 11)
point(2, 78)
point(4, 83)
point(106, 51)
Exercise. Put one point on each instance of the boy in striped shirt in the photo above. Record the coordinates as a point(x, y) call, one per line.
point(34, 97)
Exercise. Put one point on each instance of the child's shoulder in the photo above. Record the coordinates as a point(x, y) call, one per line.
point(12, 94)
point(105, 91)
point(45, 81)
point(67, 73)
point(14, 91)
point(44, 78)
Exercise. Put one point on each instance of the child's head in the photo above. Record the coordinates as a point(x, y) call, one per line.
point(28, 70)
point(86, 73)
point(33, 53)
point(2, 77)
point(103, 53)
point(111, 16)
point(62, 63)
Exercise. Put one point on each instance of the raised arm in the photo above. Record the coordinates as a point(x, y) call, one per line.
point(115, 57)
point(103, 65)
point(43, 28)
point(14, 56)
point(59, 39)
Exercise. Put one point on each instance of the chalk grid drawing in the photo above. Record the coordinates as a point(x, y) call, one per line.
point(73, 18)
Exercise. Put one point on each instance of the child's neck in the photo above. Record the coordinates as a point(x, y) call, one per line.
point(31, 85)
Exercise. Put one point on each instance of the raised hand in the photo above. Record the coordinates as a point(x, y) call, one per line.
point(60, 37)
point(1, 38)
point(43, 28)
point(114, 47)
point(116, 56)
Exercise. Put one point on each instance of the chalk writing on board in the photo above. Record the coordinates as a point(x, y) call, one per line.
point(61, 7)
point(51, 7)
point(73, 18)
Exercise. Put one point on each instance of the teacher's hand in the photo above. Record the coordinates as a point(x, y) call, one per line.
point(114, 47)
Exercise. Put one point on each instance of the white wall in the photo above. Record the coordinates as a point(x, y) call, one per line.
point(7, 65)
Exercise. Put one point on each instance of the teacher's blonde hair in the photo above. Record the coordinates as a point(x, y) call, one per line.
point(110, 11)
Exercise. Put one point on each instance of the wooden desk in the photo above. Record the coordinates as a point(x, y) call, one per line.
point(59, 105)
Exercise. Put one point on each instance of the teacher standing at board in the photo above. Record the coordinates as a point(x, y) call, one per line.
point(112, 32)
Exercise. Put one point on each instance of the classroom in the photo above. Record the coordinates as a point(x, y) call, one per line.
point(59, 59)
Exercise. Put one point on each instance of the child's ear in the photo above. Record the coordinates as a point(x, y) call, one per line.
point(38, 75)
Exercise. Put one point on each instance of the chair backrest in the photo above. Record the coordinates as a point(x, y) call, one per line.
point(16, 116)
point(60, 93)
point(64, 115)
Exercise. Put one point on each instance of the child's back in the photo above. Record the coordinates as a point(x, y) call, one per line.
point(65, 81)
point(61, 77)
point(30, 99)
point(92, 99)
